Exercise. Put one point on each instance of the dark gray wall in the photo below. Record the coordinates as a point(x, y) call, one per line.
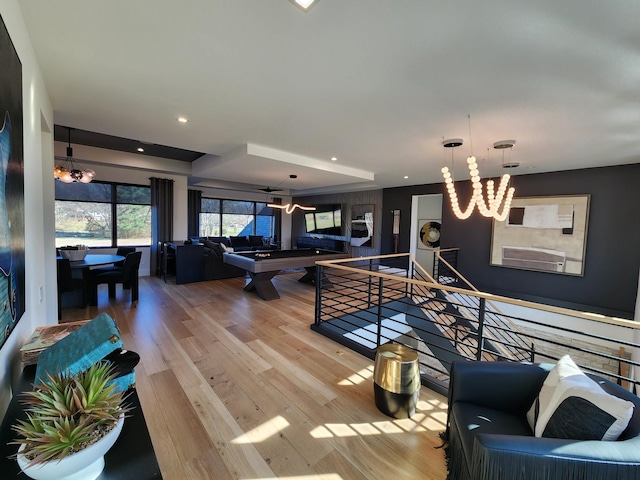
point(347, 200)
point(610, 280)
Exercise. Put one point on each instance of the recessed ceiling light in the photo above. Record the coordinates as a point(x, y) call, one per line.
point(406, 176)
point(140, 149)
point(334, 159)
point(183, 119)
point(305, 5)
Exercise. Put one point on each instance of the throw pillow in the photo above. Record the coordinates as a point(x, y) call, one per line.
point(226, 249)
point(216, 248)
point(571, 405)
point(255, 241)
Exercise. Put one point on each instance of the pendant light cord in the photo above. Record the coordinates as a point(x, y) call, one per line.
point(470, 139)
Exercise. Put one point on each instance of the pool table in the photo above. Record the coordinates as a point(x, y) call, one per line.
point(262, 266)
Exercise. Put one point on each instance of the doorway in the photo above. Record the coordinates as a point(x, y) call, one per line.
point(426, 221)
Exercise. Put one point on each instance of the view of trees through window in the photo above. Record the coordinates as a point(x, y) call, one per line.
point(227, 218)
point(85, 214)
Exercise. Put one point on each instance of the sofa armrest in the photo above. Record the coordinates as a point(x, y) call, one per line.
point(510, 456)
point(505, 386)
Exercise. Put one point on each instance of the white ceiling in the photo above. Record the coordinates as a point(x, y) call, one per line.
point(376, 83)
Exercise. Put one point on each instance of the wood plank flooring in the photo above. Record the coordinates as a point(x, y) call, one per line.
point(233, 387)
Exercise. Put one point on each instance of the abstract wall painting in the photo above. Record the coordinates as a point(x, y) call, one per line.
point(428, 234)
point(12, 276)
point(546, 234)
point(362, 226)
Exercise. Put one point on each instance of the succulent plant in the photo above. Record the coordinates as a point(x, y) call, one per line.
point(68, 413)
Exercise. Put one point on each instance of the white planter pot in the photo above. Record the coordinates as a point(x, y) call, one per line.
point(86, 464)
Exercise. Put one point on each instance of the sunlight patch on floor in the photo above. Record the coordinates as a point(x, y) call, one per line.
point(262, 432)
point(358, 377)
point(432, 404)
point(419, 423)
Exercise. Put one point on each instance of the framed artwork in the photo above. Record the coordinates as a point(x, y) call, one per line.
point(428, 234)
point(362, 226)
point(545, 234)
point(12, 281)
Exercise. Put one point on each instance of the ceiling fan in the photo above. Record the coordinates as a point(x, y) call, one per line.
point(276, 189)
point(269, 189)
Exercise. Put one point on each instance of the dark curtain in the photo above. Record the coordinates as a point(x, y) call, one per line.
point(277, 229)
point(194, 202)
point(161, 219)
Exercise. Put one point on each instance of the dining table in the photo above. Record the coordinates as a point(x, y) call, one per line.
point(96, 260)
point(84, 266)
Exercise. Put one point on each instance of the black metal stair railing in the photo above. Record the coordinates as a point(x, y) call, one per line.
point(504, 334)
point(363, 303)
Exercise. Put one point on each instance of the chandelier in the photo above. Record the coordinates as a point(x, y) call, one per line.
point(288, 207)
point(68, 171)
point(497, 203)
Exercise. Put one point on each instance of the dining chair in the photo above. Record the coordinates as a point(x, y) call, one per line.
point(66, 282)
point(117, 266)
point(123, 252)
point(128, 275)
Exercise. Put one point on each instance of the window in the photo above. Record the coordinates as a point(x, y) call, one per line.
point(237, 218)
point(101, 214)
point(210, 217)
point(228, 218)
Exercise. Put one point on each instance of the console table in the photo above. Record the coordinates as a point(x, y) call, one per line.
point(189, 261)
point(132, 455)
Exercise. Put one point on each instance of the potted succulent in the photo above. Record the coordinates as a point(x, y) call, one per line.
point(72, 421)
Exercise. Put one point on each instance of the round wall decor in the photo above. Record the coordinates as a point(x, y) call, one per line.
point(430, 234)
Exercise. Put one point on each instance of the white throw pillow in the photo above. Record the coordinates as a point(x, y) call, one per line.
point(572, 405)
point(226, 248)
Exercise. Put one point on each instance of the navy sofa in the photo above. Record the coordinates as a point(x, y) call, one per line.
point(241, 243)
point(489, 437)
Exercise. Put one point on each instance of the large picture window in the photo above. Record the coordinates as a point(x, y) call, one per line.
point(227, 218)
point(101, 214)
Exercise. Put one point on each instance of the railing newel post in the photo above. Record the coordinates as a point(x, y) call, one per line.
point(379, 335)
point(319, 271)
point(369, 288)
point(481, 312)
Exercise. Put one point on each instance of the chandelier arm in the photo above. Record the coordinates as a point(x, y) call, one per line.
point(501, 217)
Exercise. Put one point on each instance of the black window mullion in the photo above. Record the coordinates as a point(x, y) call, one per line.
point(114, 218)
point(255, 217)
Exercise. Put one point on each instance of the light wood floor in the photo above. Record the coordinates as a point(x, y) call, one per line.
point(233, 387)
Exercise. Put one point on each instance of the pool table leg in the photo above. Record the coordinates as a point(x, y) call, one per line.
point(310, 277)
point(261, 283)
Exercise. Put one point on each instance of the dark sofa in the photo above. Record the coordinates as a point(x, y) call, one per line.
point(241, 243)
point(489, 437)
point(214, 266)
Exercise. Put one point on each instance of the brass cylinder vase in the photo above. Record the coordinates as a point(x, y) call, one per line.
point(396, 380)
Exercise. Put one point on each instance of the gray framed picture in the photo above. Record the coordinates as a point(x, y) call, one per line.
point(546, 234)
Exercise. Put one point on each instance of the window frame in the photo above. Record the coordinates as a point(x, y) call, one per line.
point(256, 205)
point(114, 203)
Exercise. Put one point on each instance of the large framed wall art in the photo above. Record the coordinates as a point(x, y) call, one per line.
point(12, 282)
point(362, 226)
point(546, 234)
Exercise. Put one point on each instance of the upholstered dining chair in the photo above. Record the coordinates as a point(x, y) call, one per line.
point(66, 282)
point(127, 275)
point(123, 252)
